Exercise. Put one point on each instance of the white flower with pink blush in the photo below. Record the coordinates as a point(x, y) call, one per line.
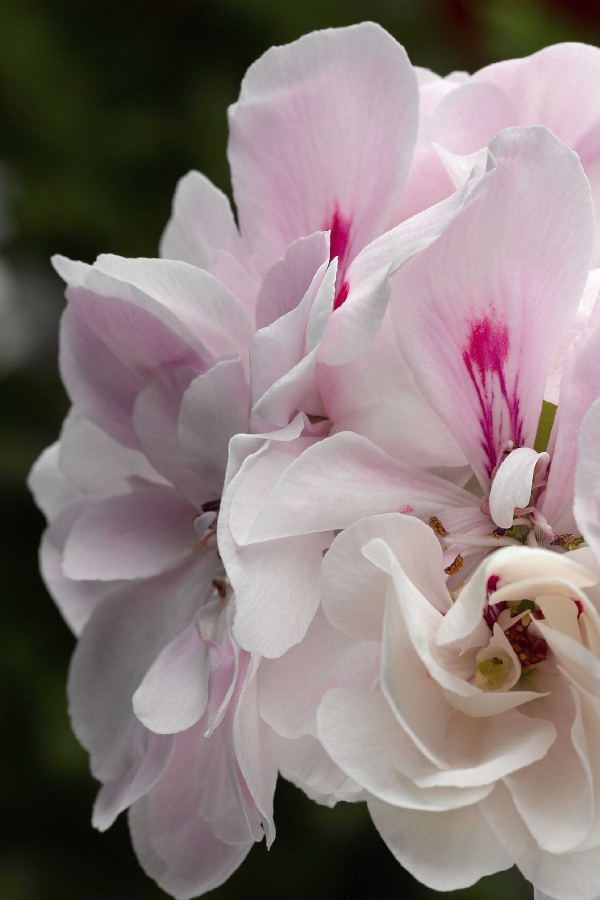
point(155, 355)
point(477, 748)
point(479, 315)
point(260, 420)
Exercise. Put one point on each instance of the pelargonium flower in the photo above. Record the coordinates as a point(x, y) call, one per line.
point(461, 113)
point(477, 749)
point(480, 314)
point(258, 389)
point(160, 693)
point(155, 357)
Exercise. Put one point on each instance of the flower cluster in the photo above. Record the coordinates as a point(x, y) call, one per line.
point(327, 503)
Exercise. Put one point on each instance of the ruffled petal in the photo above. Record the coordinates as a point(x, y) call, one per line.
point(321, 139)
point(480, 314)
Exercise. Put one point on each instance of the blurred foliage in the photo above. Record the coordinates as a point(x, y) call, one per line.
point(103, 106)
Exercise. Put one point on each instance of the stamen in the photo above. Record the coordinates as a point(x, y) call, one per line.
point(455, 566)
point(437, 526)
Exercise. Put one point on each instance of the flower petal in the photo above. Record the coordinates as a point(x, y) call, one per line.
point(134, 535)
point(117, 647)
point(115, 796)
point(321, 138)
point(174, 843)
point(305, 498)
point(361, 734)
point(443, 850)
point(174, 691)
point(202, 231)
point(480, 314)
point(324, 659)
point(113, 339)
point(587, 479)
point(354, 589)
point(196, 297)
point(513, 483)
point(580, 386)
point(76, 600)
point(288, 280)
point(568, 876)
point(214, 408)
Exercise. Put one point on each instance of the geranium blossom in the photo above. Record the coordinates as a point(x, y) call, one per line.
point(528, 289)
point(461, 113)
point(460, 748)
point(334, 399)
point(160, 693)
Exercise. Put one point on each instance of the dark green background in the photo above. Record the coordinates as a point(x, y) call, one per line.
point(103, 106)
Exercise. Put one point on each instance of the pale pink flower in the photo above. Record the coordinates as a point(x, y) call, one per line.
point(477, 750)
point(505, 278)
point(161, 695)
point(155, 356)
point(317, 168)
point(555, 87)
point(481, 336)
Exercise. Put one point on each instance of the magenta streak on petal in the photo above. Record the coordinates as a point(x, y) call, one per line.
point(339, 239)
point(491, 613)
point(341, 295)
point(484, 357)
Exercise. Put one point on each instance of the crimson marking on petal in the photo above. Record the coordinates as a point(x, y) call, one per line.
point(339, 237)
point(485, 356)
point(341, 295)
point(339, 240)
point(492, 584)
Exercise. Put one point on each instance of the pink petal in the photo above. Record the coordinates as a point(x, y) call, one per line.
point(131, 536)
point(305, 763)
point(323, 660)
point(536, 791)
point(97, 465)
point(563, 874)
point(51, 490)
point(277, 591)
point(120, 642)
point(251, 740)
point(480, 314)
point(156, 416)
point(202, 231)
point(288, 280)
point(361, 734)
point(174, 843)
point(553, 87)
point(443, 850)
point(274, 611)
point(586, 317)
point(279, 347)
point(76, 600)
point(580, 386)
point(115, 796)
point(197, 298)
point(214, 408)
point(375, 395)
point(587, 481)
point(469, 117)
point(174, 692)
point(310, 148)
point(305, 498)
point(113, 338)
point(354, 589)
point(296, 389)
